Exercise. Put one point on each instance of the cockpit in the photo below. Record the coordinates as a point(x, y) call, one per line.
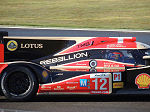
point(134, 56)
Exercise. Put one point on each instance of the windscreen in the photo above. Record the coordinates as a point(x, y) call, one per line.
point(128, 56)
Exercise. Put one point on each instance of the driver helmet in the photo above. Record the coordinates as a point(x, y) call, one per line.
point(115, 55)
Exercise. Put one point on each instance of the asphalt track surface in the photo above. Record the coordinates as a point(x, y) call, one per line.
point(78, 103)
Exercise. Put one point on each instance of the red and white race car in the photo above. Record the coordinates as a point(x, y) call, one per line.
point(79, 65)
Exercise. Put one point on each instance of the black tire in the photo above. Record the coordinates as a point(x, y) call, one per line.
point(19, 84)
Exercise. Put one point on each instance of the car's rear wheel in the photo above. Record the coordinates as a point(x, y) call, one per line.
point(19, 84)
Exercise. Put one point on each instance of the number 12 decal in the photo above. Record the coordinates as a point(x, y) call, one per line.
point(100, 83)
point(102, 86)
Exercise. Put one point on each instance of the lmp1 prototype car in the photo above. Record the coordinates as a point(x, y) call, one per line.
point(73, 65)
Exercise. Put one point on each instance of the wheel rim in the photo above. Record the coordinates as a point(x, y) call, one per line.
point(18, 83)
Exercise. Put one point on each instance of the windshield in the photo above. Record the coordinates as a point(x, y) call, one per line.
point(128, 56)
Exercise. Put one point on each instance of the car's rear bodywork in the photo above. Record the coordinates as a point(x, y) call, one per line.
point(87, 65)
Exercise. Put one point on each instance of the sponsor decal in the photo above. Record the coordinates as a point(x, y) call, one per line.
point(115, 46)
point(111, 70)
point(64, 58)
point(99, 92)
point(110, 64)
point(72, 82)
point(85, 44)
point(60, 74)
point(143, 81)
point(71, 87)
point(44, 73)
point(83, 82)
point(46, 87)
point(31, 46)
point(93, 63)
point(93, 70)
point(101, 83)
point(100, 75)
point(118, 85)
point(12, 45)
point(117, 76)
point(58, 88)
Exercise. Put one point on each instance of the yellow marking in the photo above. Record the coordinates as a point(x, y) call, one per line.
point(118, 85)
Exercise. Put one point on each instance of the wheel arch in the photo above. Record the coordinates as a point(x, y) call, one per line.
point(35, 68)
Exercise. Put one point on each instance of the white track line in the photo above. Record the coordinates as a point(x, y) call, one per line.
point(79, 29)
point(11, 110)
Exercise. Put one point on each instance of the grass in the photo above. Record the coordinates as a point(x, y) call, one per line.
point(105, 14)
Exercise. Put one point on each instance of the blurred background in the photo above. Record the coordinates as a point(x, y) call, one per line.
point(103, 14)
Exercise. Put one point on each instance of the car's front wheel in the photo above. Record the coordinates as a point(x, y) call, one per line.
point(19, 84)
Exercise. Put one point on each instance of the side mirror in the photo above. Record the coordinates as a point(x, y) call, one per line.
point(147, 60)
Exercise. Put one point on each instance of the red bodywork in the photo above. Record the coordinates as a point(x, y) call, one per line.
point(102, 66)
point(90, 83)
point(102, 43)
point(2, 66)
point(1, 53)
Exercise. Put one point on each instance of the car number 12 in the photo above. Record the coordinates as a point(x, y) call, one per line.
point(102, 86)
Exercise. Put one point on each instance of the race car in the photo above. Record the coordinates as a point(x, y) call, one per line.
point(72, 65)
